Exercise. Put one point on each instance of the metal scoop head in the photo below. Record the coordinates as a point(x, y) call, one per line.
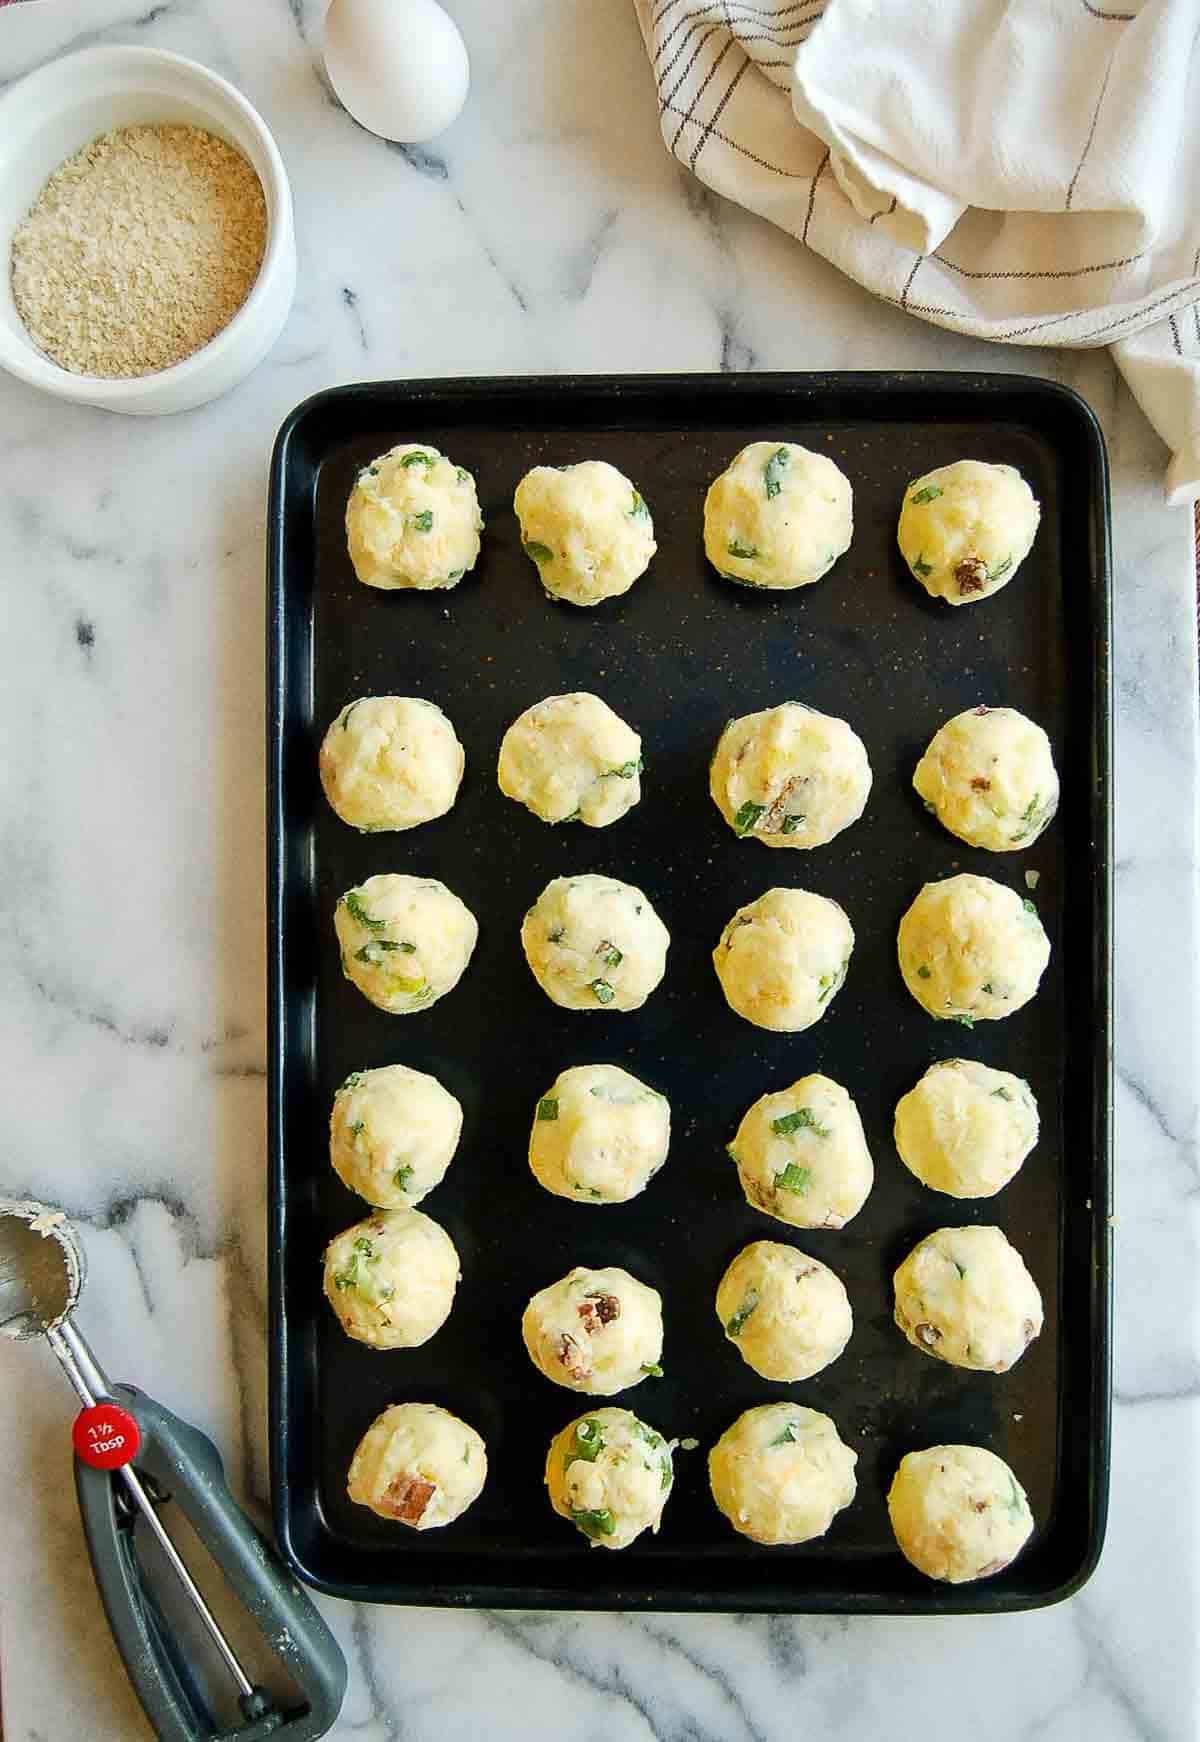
point(41, 1268)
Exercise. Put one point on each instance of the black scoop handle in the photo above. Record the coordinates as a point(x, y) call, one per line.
point(183, 1463)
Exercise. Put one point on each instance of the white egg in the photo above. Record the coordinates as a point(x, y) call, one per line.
point(399, 66)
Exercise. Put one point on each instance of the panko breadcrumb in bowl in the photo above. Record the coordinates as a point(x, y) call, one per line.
point(67, 103)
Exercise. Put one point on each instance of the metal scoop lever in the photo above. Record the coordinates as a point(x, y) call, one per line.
point(131, 1453)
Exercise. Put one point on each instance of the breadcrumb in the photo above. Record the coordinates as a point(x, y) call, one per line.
point(138, 250)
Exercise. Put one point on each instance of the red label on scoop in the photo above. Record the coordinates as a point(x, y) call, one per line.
point(106, 1436)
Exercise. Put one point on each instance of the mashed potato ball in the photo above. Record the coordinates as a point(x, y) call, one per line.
point(958, 1513)
point(782, 1473)
point(972, 950)
point(405, 941)
point(391, 762)
point(789, 776)
point(965, 1128)
point(597, 1331)
point(787, 1315)
point(782, 959)
point(391, 1279)
point(595, 943)
point(570, 758)
point(964, 1296)
point(599, 1135)
point(611, 1475)
point(413, 520)
point(586, 529)
point(392, 1134)
point(802, 1156)
point(779, 516)
point(418, 1465)
point(989, 777)
point(965, 529)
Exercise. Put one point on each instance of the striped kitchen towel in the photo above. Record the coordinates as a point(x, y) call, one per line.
point(1021, 170)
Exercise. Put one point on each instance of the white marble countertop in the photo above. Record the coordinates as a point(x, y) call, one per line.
point(548, 231)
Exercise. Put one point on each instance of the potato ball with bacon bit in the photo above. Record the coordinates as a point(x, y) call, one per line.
point(598, 1331)
point(418, 1465)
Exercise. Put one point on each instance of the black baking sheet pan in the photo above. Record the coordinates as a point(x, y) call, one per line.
point(678, 656)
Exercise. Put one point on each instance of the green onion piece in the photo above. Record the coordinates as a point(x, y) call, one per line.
point(921, 567)
point(598, 1523)
point(638, 510)
point(401, 1178)
point(788, 1437)
point(352, 1082)
point(1000, 570)
point(928, 493)
point(626, 771)
point(352, 902)
point(547, 1109)
point(589, 1441)
point(1028, 906)
point(418, 458)
point(348, 711)
point(1003, 1094)
point(924, 972)
point(803, 1119)
point(747, 817)
point(358, 1127)
point(603, 991)
point(735, 1324)
point(461, 473)
point(792, 823)
point(747, 552)
point(967, 1020)
point(541, 553)
point(610, 955)
point(652, 1369)
point(793, 1178)
point(773, 471)
point(423, 522)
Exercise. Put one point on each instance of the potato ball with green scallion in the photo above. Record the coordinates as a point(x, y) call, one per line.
point(802, 1155)
point(783, 958)
point(390, 762)
point(413, 520)
point(965, 529)
point(964, 1296)
point(585, 528)
point(971, 950)
point(598, 1331)
point(405, 941)
point(572, 759)
point(958, 1513)
point(778, 517)
point(391, 1279)
point(418, 1465)
point(599, 1135)
point(595, 943)
point(787, 1315)
point(392, 1134)
point(782, 1473)
point(789, 776)
point(989, 777)
point(965, 1128)
point(611, 1475)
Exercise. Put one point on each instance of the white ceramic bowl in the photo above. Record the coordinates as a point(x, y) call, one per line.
point(50, 114)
